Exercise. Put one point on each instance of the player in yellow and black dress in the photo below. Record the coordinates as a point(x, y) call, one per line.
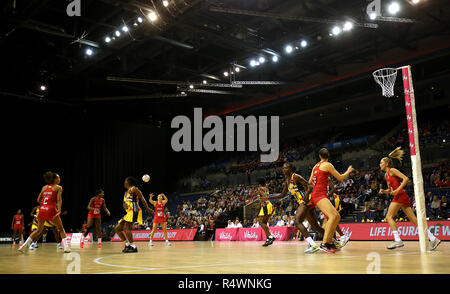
point(265, 212)
point(133, 196)
point(304, 210)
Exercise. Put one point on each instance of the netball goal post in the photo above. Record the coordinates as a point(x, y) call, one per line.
point(385, 77)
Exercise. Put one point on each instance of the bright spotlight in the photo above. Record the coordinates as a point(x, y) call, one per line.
point(165, 3)
point(152, 16)
point(43, 87)
point(373, 16)
point(107, 39)
point(237, 69)
point(125, 28)
point(89, 51)
point(393, 8)
point(257, 63)
point(274, 58)
point(139, 19)
point(348, 26)
point(204, 82)
point(225, 73)
point(303, 43)
point(252, 62)
point(261, 59)
point(191, 86)
point(415, 1)
point(288, 49)
point(117, 34)
point(135, 24)
point(336, 30)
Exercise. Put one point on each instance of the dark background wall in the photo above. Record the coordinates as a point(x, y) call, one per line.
point(88, 151)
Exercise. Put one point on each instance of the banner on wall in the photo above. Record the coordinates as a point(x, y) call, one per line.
point(253, 234)
point(173, 235)
point(382, 231)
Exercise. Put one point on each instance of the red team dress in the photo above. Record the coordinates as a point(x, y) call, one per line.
point(18, 222)
point(97, 205)
point(394, 183)
point(47, 211)
point(320, 185)
point(160, 216)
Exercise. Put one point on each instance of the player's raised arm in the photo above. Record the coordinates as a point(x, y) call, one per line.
point(165, 200)
point(340, 177)
point(282, 194)
point(150, 199)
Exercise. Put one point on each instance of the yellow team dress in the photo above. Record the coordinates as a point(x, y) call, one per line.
point(293, 189)
point(34, 224)
point(134, 212)
point(266, 206)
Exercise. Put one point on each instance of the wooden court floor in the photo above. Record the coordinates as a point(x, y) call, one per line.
point(227, 258)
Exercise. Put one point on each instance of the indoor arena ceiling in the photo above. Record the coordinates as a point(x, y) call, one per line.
point(193, 41)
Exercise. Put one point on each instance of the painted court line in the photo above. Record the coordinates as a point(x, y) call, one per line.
point(140, 269)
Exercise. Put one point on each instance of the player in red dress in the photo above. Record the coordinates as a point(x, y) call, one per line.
point(160, 217)
point(17, 227)
point(94, 217)
point(396, 181)
point(319, 180)
point(50, 199)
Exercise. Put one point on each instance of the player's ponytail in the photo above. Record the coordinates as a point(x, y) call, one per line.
point(397, 153)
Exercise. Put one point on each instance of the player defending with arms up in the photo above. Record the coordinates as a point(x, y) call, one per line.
point(50, 199)
point(131, 201)
point(159, 217)
point(319, 180)
point(396, 181)
point(94, 217)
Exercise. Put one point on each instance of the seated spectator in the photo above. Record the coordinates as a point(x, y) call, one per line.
point(255, 223)
point(237, 224)
point(434, 207)
point(230, 225)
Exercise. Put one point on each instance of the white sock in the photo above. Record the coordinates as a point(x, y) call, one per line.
point(132, 245)
point(167, 240)
point(82, 238)
point(431, 236)
point(27, 241)
point(396, 236)
point(99, 240)
point(64, 241)
point(127, 244)
point(311, 241)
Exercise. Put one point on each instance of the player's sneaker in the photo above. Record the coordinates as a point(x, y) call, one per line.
point(326, 248)
point(22, 249)
point(60, 246)
point(99, 245)
point(343, 241)
point(150, 243)
point(168, 243)
point(81, 244)
point(311, 249)
point(131, 249)
point(396, 244)
point(272, 239)
point(125, 248)
point(67, 250)
point(335, 248)
point(434, 244)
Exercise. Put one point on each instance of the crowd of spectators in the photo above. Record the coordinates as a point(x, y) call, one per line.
point(429, 133)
